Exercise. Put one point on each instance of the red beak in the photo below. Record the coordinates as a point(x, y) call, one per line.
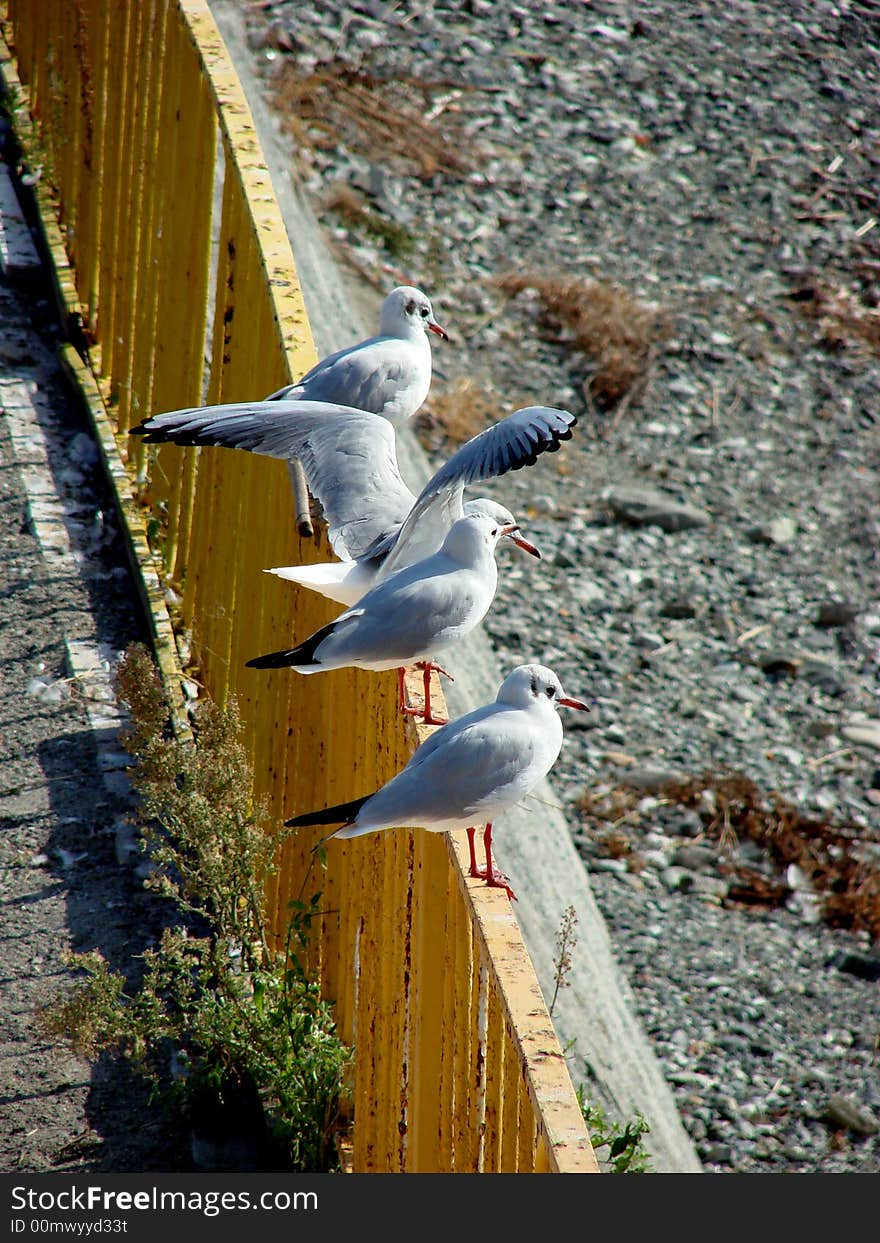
point(574, 703)
point(524, 545)
point(433, 326)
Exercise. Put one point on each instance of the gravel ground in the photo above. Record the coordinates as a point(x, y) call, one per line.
point(709, 174)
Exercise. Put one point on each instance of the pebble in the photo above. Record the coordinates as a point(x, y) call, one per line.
point(842, 1111)
point(647, 507)
point(866, 732)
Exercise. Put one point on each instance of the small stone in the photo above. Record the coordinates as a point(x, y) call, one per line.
point(778, 662)
point(778, 531)
point(696, 858)
point(714, 887)
point(866, 731)
point(766, 1146)
point(717, 1154)
point(837, 613)
point(679, 607)
point(565, 558)
point(844, 1112)
point(862, 966)
point(647, 507)
point(617, 866)
point(651, 780)
point(649, 640)
point(673, 878)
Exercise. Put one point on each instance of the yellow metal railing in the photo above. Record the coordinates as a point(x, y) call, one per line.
point(178, 267)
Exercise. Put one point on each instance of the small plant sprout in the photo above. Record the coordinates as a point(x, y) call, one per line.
point(566, 940)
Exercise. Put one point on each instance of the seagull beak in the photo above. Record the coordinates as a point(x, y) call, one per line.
point(523, 543)
point(433, 326)
point(574, 703)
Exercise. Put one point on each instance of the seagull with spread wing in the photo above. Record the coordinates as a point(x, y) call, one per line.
point(375, 523)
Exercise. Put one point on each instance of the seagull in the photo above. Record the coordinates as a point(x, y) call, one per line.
point(411, 615)
point(389, 374)
point(375, 523)
point(472, 769)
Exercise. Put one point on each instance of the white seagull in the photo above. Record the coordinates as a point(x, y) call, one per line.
point(389, 374)
point(375, 523)
point(411, 616)
point(472, 769)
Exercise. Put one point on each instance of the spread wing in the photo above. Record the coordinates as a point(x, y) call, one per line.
point(510, 444)
point(349, 458)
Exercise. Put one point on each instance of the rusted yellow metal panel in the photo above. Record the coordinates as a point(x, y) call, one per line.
point(94, 35)
point(430, 998)
point(514, 1077)
point(142, 350)
point(550, 1088)
point(496, 1048)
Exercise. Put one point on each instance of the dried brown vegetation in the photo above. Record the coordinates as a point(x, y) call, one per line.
point(406, 123)
point(619, 334)
point(456, 413)
point(843, 315)
point(834, 855)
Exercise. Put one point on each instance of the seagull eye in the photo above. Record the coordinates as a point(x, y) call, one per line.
point(423, 311)
point(551, 691)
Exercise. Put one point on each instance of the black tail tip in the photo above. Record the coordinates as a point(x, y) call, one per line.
point(274, 660)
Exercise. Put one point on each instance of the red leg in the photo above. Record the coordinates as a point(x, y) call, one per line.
point(432, 664)
point(429, 717)
point(493, 879)
point(471, 833)
point(425, 713)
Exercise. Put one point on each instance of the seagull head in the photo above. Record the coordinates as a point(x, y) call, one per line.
point(407, 311)
point(470, 538)
point(503, 517)
point(529, 684)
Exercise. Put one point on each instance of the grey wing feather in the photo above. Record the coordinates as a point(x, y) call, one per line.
point(366, 376)
point(404, 617)
point(510, 444)
point(348, 456)
point(469, 765)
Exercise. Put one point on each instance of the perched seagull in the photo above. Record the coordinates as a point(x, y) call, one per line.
point(375, 524)
point(411, 616)
point(473, 769)
point(389, 374)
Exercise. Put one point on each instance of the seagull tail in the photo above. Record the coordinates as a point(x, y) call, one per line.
point(337, 580)
point(302, 657)
point(342, 814)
